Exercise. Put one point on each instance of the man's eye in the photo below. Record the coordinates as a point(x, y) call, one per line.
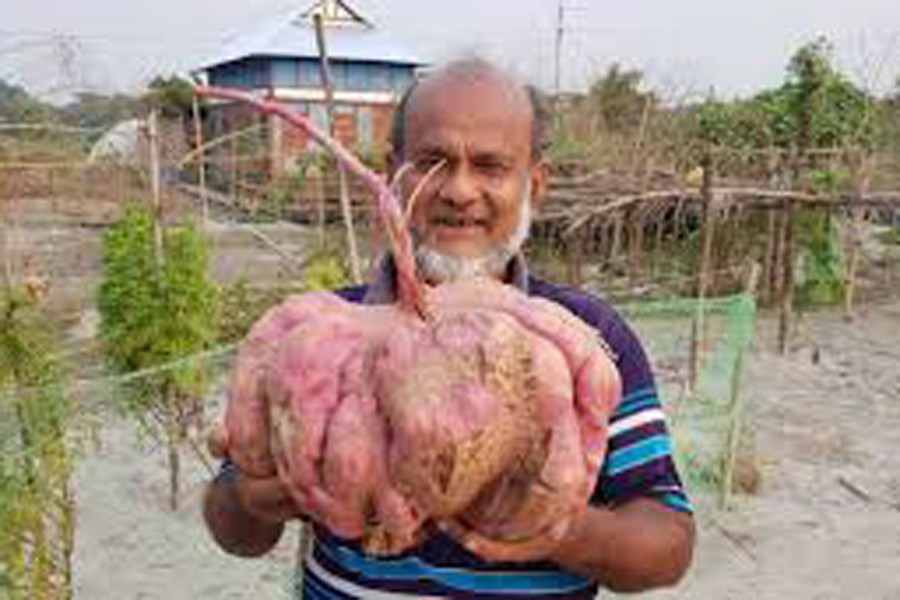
point(491, 167)
point(426, 163)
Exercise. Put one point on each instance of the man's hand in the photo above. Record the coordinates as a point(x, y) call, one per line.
point(266, 499)
point(542, 546)
point(634, 547)
point(245, 515)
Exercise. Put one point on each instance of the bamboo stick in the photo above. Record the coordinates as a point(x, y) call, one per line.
point(736, 433)
point(342, 175)
point(707, 236)
point(410, 289)
point(786, 318)
point(857, 219)
point(201, 162)
point(155, 185)
point(770, 260)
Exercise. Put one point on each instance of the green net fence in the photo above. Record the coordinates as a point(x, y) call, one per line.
point(697, 348)
point(120, 478)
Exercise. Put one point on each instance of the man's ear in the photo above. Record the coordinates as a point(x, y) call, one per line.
point(539, 173)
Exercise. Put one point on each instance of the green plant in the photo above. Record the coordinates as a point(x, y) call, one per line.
point(816, 106)
point(821, 278)
point(37, 508)
point(172, 96)
point(891, 237)
point(240, 306)
point(158, 305)
point(829, 181)
point(325, 271)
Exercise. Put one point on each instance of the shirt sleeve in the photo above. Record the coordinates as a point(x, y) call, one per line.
point(639, 460)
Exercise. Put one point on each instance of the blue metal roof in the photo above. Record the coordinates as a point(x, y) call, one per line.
point(294, 36)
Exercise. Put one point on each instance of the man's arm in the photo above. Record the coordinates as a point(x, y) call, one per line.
point(246, 516)
point(637, 546)
point(638, 532)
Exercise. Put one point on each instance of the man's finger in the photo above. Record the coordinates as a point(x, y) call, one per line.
point(217, 441)
point(538, 547)
point(267, 499)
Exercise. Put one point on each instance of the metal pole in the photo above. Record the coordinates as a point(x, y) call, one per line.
point(560, 32)
point(342, 175)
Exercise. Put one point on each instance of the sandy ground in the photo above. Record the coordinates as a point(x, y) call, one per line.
point(825, 523)
point(130, 544)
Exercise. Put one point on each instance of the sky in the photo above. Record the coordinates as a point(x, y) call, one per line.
point(686, 48)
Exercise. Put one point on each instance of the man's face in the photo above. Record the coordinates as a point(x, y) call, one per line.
point(480, 132)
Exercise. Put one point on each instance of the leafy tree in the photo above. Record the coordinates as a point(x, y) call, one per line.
point(172, 96)
point(816, 107)
point(887, 121)
point(18, 106)
point(158, 306)
point(617, 100)
point(100, 111)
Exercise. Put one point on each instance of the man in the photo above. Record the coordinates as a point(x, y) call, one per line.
point(471, 136)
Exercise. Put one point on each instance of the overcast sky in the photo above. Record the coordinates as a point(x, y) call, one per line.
point(685, 47)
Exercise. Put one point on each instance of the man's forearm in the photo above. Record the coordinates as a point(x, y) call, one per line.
point(234, 529)
point(638, 546)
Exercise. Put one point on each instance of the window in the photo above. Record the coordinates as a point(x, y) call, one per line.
point(285, 73)
point(380, 80)
point(364, 128)
point(309, 75)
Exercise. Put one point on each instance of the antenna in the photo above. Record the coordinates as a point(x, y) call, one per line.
point(560, 33)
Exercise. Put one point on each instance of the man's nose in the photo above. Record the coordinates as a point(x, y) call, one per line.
point(459, 187)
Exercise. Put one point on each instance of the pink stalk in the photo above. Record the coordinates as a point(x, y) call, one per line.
point(410, 291)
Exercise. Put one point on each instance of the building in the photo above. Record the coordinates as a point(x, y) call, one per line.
point(280, 60)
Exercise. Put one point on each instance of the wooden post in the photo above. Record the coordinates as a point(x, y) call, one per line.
point(857, 218)
point(770, 259)
point(575, 246)
point(7, 249)
point(780, 233)
point(707, 236)
point(658, 241)
point(639, 224)
point(155, 185)
point(616, 244)
point(201, 162)
point(606, 246)
point(736, 433)
point(786, 318)
point(677, 218)
point(346, 208)
point(316, 176)
point(635, 217)
point(233, 169)
point(708, 225)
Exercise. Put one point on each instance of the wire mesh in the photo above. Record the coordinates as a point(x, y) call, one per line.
point(704, 408)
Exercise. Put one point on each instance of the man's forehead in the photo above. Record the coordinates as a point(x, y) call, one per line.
point(484, 102)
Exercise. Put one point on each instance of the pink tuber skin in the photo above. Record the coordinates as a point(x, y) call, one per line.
point(469, 404)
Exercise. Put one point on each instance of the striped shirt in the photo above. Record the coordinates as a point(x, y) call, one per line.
point(639, 464)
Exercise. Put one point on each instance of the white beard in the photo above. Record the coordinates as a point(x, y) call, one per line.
point(439, 267)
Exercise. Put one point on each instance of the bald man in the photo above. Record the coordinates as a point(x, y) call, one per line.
point(481, 132)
